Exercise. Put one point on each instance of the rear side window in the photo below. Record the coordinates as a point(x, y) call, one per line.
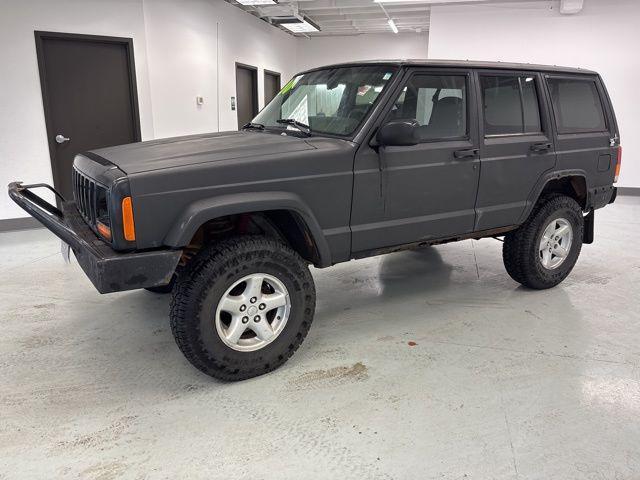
point(437, 102)
point(510, 104)
point(576, 105)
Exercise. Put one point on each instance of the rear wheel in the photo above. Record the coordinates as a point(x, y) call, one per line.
point(543, 251)
point(242, 307)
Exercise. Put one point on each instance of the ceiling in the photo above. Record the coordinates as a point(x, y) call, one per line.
point(355, 17)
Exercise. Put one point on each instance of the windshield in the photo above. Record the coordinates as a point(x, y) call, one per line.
point(332, 101)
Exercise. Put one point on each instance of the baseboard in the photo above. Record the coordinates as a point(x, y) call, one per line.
point(630, 191)
point(25, 223)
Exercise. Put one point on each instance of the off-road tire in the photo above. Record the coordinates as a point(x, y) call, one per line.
point(206, 278)
point(520, 250)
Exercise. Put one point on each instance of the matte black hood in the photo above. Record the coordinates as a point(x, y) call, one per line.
point(194, 149)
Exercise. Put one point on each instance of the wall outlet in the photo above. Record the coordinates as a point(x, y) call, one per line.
point(199, 100)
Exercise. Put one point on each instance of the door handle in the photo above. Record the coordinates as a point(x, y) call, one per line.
point(62, 138)
point(541, 147)
point(470, 153)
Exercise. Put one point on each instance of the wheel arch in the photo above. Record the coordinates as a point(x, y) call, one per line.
point(285, 211)
point(572, 183)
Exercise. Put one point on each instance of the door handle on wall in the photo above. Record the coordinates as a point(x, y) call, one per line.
point(541, 147)
point(470, 153)
point(62, 138)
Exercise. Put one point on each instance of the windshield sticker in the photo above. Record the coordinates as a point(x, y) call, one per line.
point(386, 76)
point(292, 83)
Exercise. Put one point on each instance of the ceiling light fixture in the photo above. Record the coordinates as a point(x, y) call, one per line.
point(392, 24)
point(254, 3)
point(297, 24)
point(427, 2)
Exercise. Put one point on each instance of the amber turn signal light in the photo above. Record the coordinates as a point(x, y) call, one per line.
point(104, 231)
point(127, 220)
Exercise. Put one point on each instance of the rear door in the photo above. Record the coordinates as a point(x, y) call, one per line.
point(587, 133)
point(516, 145)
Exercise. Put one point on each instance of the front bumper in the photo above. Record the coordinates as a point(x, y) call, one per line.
point(108, 270)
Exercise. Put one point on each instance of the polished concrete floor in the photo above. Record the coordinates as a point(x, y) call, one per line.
point(431, 364)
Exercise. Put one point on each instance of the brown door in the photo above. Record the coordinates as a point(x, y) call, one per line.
point(246, 93)
point(271, 85)
point(89, 97)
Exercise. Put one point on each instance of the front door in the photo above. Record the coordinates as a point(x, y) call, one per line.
point(89, 97)
point(406, 194)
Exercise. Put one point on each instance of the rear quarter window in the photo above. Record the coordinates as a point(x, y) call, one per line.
point(576, 105)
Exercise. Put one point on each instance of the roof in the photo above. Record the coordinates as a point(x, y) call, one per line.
point(464, 64)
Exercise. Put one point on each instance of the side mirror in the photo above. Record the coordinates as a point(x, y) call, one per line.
point(398, 133)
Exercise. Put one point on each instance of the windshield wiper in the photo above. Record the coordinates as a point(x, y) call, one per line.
point(303, 127)
point(255, 126)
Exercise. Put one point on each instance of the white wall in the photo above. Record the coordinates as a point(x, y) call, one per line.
point(178, 46)
point(604, 37)
point(320, 51)
point(187, 41)
point(24, 153)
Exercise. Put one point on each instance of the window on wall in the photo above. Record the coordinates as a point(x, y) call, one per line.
point(510, 105)
point(576, 105)
point(437, 102)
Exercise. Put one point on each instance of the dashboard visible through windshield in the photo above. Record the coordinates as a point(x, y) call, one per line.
point(333, 101)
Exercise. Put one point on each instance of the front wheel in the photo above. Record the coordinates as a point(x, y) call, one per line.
point(543, 251)
point(242, 307)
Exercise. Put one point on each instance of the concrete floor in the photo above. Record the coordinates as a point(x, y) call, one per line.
point(502, 382)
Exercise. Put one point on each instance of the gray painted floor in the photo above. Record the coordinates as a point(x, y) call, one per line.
point(502, 382)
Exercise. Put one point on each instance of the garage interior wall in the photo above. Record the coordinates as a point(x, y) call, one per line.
point(24, 153)
point(604, 37)
point(188, 43)
point(188, 48)
point(318, 51)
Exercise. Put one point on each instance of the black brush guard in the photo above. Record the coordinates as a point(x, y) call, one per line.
point(108, 270)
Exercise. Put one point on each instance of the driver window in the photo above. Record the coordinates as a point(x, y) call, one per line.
point(437, 102)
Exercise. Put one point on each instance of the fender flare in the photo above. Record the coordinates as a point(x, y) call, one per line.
point(201, 211)
point(542, 183)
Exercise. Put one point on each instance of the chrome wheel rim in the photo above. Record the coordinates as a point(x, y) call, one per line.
point(252, 312)
point(555, 243)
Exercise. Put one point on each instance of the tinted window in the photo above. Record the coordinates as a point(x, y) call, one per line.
point(510, 105)
point(576, 105)
point(437, 102)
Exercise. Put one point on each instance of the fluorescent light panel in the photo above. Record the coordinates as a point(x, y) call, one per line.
point(392, 24)
point(257, 2)
point(303, 25)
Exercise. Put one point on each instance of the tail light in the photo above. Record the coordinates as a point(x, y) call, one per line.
point(618, 164)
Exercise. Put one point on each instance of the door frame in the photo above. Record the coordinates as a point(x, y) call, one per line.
point(254, 93)
point(40, 37)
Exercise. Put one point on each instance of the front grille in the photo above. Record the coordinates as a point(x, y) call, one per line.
point(90, 198)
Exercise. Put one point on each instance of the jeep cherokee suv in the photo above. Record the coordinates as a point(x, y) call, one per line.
point(347, 161)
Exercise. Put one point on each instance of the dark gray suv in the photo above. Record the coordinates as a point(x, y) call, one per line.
point(347, 161)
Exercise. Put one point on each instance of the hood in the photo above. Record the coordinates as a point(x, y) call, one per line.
point(194, 149)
